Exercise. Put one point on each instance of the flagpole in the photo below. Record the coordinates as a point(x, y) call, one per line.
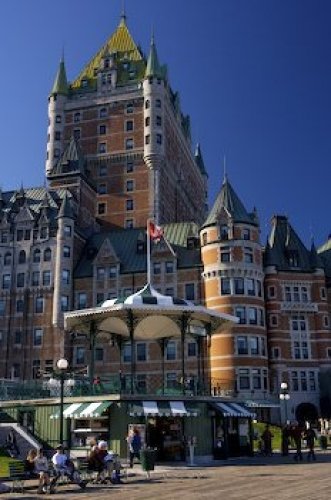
point(148, 251)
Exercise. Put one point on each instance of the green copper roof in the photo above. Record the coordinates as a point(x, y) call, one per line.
point(286, 251)
point(60, 84)
point(123, 46)
point(199, 160)
point(153, 66)
point(228, 200)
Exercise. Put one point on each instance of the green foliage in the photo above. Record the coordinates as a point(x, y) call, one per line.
point(258, 429)
point(4, 462)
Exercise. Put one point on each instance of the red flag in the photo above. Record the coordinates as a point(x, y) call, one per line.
point(154, 231)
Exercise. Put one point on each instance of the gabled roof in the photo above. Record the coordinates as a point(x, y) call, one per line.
point(229, 201)
point(285, 249)
point(60, 85)
point(71, 161)
point(120, 43)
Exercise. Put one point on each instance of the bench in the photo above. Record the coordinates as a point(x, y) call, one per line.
point(17, 475)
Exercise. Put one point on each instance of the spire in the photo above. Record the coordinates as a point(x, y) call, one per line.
point(60, 83)
point(153, 67)
point(123, 15)
point(65, 209)
point(199, 160)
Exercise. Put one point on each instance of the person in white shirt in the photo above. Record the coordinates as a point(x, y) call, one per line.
point(63, 465)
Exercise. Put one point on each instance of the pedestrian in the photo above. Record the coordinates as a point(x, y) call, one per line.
point(267, 441)
point(310, 436)
point(41, 469)
point(285, 440)
point(29, 464)
point(134, 443)
point(297, 435)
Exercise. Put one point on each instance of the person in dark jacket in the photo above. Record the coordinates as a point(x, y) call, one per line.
point(134, 443)
point(310, 436)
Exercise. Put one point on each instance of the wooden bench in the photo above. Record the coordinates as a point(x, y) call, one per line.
point(17, 475)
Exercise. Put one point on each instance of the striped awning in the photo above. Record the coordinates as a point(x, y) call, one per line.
point(162, 409)
point(83, 410)
point(233, 410)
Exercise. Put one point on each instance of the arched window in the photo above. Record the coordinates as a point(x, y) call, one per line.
point(7, 259)
point(22, 257)
point(36, 255)
point(147, 104)
point(47, 255)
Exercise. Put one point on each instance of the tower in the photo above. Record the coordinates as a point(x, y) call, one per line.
point(233, 283)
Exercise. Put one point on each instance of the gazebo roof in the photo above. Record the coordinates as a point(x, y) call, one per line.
point(152, 315)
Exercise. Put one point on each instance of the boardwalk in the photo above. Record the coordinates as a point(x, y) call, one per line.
point(259, 479)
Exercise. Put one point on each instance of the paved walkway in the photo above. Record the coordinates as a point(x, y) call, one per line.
point(258, 478)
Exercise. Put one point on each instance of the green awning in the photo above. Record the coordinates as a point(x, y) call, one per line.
point(83, 410)
point(162, 409)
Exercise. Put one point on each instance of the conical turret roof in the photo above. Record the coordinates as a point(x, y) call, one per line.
point(153, 66)
point(229, 200)
point(60, 83)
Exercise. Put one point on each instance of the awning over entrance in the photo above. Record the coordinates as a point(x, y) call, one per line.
point(162, 409)
point(232, 410)
point(261, 403)
point(83, 410)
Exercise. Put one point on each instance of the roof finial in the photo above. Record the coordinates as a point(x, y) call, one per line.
point(62, 55)
point(123, 13)
point(225, 177)
point(152, 34)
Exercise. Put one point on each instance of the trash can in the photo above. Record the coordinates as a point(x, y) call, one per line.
point(147, 459)
point(323, 442)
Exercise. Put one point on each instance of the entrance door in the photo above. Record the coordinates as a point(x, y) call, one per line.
point(166, 434)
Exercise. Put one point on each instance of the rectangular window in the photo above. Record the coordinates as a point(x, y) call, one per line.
point(192, 349)
point(259, 288)
point(39, 305)
point(112, 271)
point(156, 268)
point(35, 278)
point(225, 286)
point(244, 382)
point(304, 294)
point(240, 312)
point(101, 208)
point(36, 368)
point(129, 125)
point(225, 254)
point(2, 307)
point(67, 230)
point(252, 315)
point(102, 129)
point(101, 273)
point(158, 121)
point(129, 223)
point(171, 351)
point(303, 380)
point(19, 306)
point(141, 351)
point(248, 255)
point(6, 278)
point(250, 286)
point(20, 279)
point(169, 291)
point(312, 381)
point(141, 384)
point(239, 286)
point(129, 204)
point(158, 138)
point(37, 337)
point(246, 234)
point(254, 345)
point(80, 356)
point(64, 303)
point(102, 188)
point(46, 278)
point(129, 144)
point(129, 185)
point(19, 235)
point(189, 291)
point(65, 276)
point(242, 346)
point(102, 170)
point(275, 352)
point(18, 337)
point(66, 252)
point(77, 134)
point(296, 294)
point(100, 298)
point(82, 301)
point(129, 167)
point(171, 380)
point(102, 148)
point(99, 354)
point(126, 353)
point(256, 376)
point(169, 267)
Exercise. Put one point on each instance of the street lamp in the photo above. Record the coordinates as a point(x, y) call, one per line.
point(284, 396)
point(60, 373)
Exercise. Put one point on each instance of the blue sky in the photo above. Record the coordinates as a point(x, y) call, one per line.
point(255, 76)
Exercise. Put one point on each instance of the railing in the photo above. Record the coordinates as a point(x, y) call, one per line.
point(125, 384)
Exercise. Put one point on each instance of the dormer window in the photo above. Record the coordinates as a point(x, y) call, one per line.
point(84, 83)
point(106, 65)
point(140, 247)
point(292, 258)
point(224, 232)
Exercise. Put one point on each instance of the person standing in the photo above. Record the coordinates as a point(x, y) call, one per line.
point(310, 437)
point(134, 443)
point(297, 435)
point(267, 441)
point(285, 440)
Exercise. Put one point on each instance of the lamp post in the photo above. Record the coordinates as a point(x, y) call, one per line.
point(61, 373)
point(284, 396)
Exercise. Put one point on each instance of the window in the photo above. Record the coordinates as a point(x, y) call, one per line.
point(242, 345)
point(129, 108)
point(224, 232)
point(101, 208)
point(129, 204)
point(256, 378)
point(169, 291)
point(304, 294)
point(127, 353)
point(239, 286)
point(326, 321)
point(129, 167)
point(158, 121)
point(129, 185)
point(22, 257)
point(147, 139)
point(158, 138)
point(66, 251)
point(39, 305)
point(296, 295)
point(102, 148)
point(47, 255)
point(57, 153)
point(80, 356)
point(36, 368)
point(141, 351)
point(141, 383)
point(158, 103)
point(169, 267)
point(19, 306)
point(19, 235)
point(129, 125)
point(37, 337)
point(246, 234)
point(67, 230)
point(102, 130)
point(204, 238)
point(303, 380)
point(36, 256)
point(312, 381)
point(99, 354)
point(263, 346)
point(322, 293)
point(259, 288)
point(271, 292)
point(292, 258)
point(189, 291)
point(129, 144)
point(250, 286)
point(225, 254)
point(192, 349)
point(328, 352)
point(100, 298)
point(27, 234)
point(2, 307)
point(102, 170)
point(248, 255)
point(64, 303)
point(46, 278)
point(112, 271)
point(252, 315)
point(57, 135)
point(171, 351)
point(77, 134)
point(244, 382)
point(171, 380)
point(77, 117)
point(254, 345)
point(129, 224)
point(156, 268)
point(147, 104)
point(20, 278)
point(101, 273)
point(275, 352)
point(7, 259)
point(147, 121)
point(273, 320)
point(43, 233)
point(6, 279)
point(225, 286)
point(82, 301)
point(65, 276)
point(58, 119)
point(103, 112)
point(18, 337)
point(240, 312)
